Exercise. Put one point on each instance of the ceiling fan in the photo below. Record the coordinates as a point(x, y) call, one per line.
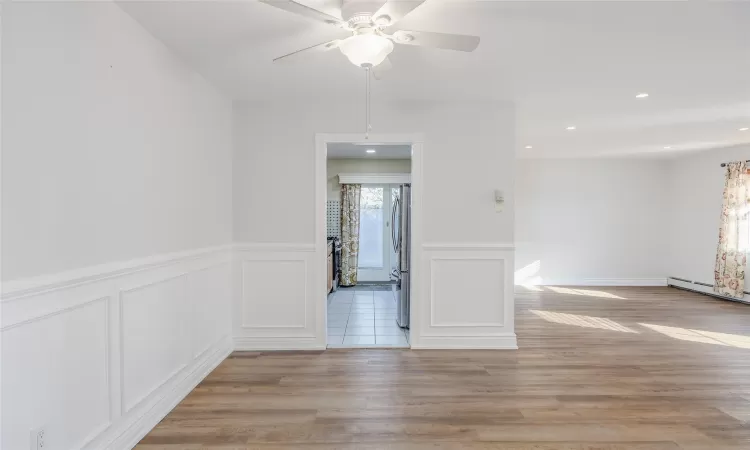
point(372, 24)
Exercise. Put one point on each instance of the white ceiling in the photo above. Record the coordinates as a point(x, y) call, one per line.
point(357, 151)
point(562, 63)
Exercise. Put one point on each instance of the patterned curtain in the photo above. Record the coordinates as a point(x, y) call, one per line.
point(349, 233)
point(729, 272)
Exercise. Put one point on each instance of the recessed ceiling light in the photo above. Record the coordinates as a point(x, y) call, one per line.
point(642, 95)
point(571, 128)
point(744, 129)
point(667, 147)
point(528, 146)
point(370, 150)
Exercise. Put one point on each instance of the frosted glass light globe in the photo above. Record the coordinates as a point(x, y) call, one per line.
point(366, 49)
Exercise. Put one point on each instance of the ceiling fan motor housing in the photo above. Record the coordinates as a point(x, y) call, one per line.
point(359, 10)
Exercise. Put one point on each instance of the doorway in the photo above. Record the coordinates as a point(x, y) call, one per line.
point(373, 183)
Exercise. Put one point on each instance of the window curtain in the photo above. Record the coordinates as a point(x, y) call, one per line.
point(731, 256)
point(350, 194)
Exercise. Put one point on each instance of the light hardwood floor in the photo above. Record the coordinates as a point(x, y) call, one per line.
point(597, 368)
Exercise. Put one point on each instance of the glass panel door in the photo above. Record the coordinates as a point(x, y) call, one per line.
point(371, 225)
point(374, 233)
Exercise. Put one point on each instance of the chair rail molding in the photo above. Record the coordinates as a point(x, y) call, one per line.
point(16, 289)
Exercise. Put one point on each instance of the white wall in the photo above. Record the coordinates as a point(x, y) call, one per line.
point(469, 152)
point(696, 184)
point(359, 165)
point(115, 156)
point(112, 148)
point(591, 221)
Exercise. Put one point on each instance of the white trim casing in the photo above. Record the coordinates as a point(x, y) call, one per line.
point(374, 178)
point(417, 142)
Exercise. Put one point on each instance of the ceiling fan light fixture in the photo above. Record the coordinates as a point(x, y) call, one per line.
point(366, 49)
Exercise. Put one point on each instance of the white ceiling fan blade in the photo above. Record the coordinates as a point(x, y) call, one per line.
point(460, 42)
point(395, 10)
point(303, 10)
point(379, 71)
point(319, 48)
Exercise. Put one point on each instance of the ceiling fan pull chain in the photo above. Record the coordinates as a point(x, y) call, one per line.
point(367, 103)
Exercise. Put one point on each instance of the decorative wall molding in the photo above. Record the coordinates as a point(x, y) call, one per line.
point(482, 275)
point(274, 296)
point(128, 434)
point(249, 288)
point(374, 178)
point(188, 291)
point(17, 289)
point(468, 260)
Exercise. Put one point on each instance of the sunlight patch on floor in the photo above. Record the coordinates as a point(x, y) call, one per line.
point(528, 275)
point(705, 337)
point(582, 321)
point(532, 287)
point(585, 292)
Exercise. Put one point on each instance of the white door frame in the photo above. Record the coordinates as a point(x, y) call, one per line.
point(321, 193)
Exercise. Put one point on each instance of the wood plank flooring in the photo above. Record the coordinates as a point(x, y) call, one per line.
point(605, 369)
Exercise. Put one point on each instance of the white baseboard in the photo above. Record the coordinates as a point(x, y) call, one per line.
point(242, 343)
point(504, 342)
point(701, 289)
point(605, 282)
point(128, 435)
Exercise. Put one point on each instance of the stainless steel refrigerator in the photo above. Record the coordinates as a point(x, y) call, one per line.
point(401, 237)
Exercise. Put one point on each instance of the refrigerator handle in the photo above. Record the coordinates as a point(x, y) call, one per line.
point(394, 232)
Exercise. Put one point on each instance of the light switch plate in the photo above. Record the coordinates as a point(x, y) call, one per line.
point(499, 201)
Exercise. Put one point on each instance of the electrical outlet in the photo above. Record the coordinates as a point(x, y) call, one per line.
point(37, 439)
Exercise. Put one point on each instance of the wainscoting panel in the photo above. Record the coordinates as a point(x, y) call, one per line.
point(274, 301)
point(484, 278)
point(273, 293)
point(468, 290)
point(99, 355)
point(155, 321)
point(55, 371)
point(209, 293)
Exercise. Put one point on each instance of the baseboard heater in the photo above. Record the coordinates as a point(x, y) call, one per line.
point(703, 288)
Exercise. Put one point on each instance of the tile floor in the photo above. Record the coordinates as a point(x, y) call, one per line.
point(364, 316)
